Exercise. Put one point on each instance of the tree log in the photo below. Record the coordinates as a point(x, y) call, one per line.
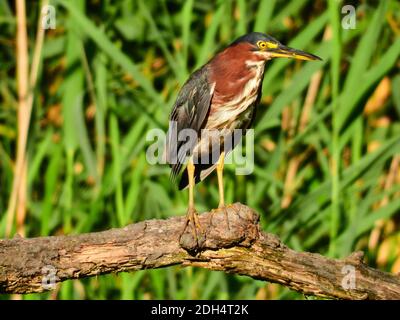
point(232, 243)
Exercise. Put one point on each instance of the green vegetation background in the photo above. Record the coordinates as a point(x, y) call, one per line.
point(110, 72)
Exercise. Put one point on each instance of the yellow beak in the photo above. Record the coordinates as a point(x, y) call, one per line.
point(286, 52)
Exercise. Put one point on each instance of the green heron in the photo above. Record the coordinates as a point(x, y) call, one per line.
point(220, 96)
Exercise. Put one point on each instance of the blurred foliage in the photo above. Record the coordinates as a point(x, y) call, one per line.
point(110, 73)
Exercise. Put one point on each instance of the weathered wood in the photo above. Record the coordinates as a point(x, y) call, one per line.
point(240, 248)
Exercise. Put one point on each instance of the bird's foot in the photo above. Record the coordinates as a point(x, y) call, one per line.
point(224, 209)
point(192, 241)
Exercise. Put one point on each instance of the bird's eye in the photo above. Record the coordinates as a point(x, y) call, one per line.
point(262, 44)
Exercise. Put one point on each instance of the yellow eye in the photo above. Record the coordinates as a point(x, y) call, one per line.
point(262, 45)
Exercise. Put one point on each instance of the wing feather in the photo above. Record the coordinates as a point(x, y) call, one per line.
point(189, 112)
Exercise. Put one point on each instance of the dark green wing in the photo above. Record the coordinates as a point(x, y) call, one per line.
point(189, 112)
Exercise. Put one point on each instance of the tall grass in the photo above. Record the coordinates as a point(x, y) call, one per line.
point(327, 135)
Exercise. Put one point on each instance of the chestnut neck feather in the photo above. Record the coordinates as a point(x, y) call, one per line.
point(230, 71)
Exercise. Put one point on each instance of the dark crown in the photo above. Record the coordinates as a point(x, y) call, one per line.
point(253, 37)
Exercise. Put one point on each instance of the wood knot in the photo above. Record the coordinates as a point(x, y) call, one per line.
point(272, 241)
point(225, 227)
point(356, 257)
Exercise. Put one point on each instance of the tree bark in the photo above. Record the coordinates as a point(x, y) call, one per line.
point(232, 243)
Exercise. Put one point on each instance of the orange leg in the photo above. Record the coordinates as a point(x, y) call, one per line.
point(220, 174)
point(191, 215)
